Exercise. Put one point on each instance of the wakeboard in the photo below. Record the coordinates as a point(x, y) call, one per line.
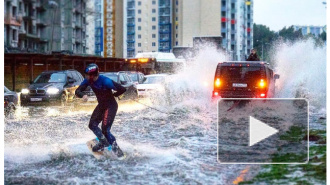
point(106, 153)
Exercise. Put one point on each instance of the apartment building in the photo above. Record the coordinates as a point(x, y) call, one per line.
point(146, 26)
point(46, 25)
point(94, 27)
point(195, 18)
point(237, 27)
point(315, 30)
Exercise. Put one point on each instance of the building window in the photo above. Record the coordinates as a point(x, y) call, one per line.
point(177, 2)
point(176, 35)
point(139, 19)
point(139, 36)
point(139, 44)
point(14, 35)
point(176, 10)
point(153, 27)
point(176, 18)
point(153, 2)
point(153, 10)
point(176, 43)
point(176, 27)
point(153, 36)
point(139, 3)
point(154, 19)
point(154, 44)
point(139, 27)
point(139, 11)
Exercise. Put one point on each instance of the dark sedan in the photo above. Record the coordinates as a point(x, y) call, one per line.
point(52, 86)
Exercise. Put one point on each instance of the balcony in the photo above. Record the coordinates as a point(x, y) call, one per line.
point(130, 7)
point(130, 32)
point(164, 48)
point(233, 10)
point(164, 13)
point(13, 20)
point(130, 15)
point(130, 23)
point(165, 22)
point(164, 5)
point(130, 41)
point(164, 39)
point(164, 31)
point(131, 49)
point(224, 30)
point(233, 42)
point(224, 9)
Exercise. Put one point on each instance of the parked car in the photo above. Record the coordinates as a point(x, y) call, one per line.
point(137, 77)
point(10, 101)
point(152, 84)
point(52, 86)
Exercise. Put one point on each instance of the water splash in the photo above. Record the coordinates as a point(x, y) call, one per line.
point(302, 67)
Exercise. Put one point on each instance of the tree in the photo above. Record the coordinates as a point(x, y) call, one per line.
point(290, 34)
point(323, 36)
point(263, 37)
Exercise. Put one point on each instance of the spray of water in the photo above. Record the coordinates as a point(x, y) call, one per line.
point(195, 82)
point(302, 69)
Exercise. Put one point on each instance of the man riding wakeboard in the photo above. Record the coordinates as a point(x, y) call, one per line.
point(106, 109)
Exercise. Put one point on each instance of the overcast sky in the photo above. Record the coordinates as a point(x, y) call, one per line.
point(276, 14)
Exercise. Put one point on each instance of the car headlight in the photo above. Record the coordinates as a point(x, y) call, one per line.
point(25, 91)
point(52, 90)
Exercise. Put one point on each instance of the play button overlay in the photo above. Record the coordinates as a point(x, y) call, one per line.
point(262, 131)
point(259, 131)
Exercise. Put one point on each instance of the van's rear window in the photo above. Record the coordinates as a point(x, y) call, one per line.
point(242, 72)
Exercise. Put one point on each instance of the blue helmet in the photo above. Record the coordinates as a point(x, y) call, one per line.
point(92, 69)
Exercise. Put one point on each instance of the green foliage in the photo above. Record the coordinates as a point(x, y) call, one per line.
point(290, 34)
point(323, 36)
point(295, 134)
point(262, 39)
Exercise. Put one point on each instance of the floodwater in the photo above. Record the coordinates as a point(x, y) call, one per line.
point(46, 145)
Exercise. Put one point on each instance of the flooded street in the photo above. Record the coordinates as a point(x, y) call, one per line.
point(174, 142)
point(50, 147)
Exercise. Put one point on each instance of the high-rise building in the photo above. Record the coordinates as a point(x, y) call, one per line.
point(148, 26)
point(114, 21)
point(195, 18)
point(94, 27)
point(315, 30)
point(46, 25)
point(237, 27)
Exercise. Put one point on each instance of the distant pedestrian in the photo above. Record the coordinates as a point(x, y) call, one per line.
point(253, 56)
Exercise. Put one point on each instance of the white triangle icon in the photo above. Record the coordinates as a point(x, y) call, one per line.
point(259, 131)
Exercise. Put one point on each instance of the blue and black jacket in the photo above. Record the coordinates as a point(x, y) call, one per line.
point(102, 88)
